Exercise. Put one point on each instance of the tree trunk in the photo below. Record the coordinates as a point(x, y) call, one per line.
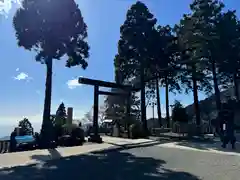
point(167, 101)
point(216, 88)
point(158, 104)
point(196, 104)
point(143, 102)
point(236, 89)
point(128, 116)
point(46, 124)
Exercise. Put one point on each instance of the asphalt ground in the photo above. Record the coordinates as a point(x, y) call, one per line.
point(149, 162)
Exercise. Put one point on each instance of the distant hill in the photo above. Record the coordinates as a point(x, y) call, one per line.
point(208, 106)
point(4, 138)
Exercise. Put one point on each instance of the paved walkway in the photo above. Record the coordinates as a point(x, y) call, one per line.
point(141, 159)
point(203, 147)
point(37, 156)
point(124, 142)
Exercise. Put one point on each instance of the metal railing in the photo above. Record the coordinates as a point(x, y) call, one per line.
point(205, 128)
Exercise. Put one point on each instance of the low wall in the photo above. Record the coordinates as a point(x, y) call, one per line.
point(4, 146)
point(157, 131)
point(191, 128)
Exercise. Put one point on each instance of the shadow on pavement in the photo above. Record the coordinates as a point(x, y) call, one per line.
point(202, 139)
point(107, 165)
point(209, 146)
point(54, 154)
point(205, 144)
point(138, 145)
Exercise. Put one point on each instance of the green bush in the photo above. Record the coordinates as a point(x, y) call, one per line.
point(74, 138)
point(179, 113)
point(78, 133)
point(136, 131)
point(77, 136)
point(58, 132)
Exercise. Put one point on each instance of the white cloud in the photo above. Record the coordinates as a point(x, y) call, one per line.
point(6, 6)
point(22, 76)
point(73, 83)
point(17, 69)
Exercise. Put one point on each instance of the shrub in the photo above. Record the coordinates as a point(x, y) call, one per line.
point(179, 113)
point(58, 132)
point(74, 138)
point(37, 139)
point(78, 133)
point(77, 136)
point(136, 130)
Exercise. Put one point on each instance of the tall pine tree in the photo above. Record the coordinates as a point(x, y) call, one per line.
point(228, 27)
point(206, 14)
point(166, 55)
point(61, 115)
point(134, 47)
point(192, 52)
point(40, 26)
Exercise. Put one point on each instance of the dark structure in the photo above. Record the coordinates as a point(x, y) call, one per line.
point(13, 142)
point(97, 83)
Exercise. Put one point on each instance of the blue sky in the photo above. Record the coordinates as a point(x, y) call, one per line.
point(23, 79)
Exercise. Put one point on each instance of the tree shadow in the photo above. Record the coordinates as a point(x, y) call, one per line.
point(209, 146)
point(183, 137)
point(107, 165)
point(53, 154)
point(140, 144)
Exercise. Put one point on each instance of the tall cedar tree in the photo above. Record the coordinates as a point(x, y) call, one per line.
point(59, 121)
point(206, 13)
point(61, 115)
point(134, 47)
point(228, 27)
point(166, 56)
point(152, 90)
point(52, 29)
point(159, 110)
point(151, 99)
point(26, 127)
point(193, 69)
point(116, 105)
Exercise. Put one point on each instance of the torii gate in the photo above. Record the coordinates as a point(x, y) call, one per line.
point(97, 83)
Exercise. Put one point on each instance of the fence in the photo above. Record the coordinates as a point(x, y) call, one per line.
point(190, 128)
point(4, 146)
